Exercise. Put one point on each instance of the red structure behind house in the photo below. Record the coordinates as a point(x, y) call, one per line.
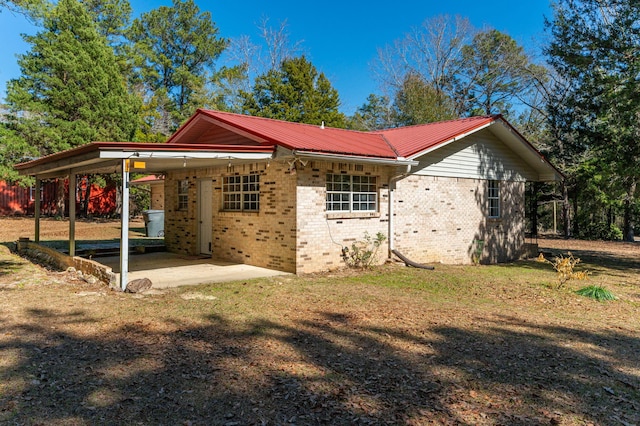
point(19, 200)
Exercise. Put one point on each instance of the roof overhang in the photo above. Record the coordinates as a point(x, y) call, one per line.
point(200, 122)
point(546, 171)
point(106, 157)
point(448, 141)
point(513, 140)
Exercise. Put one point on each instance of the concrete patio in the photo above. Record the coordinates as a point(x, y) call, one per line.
point(167, 270)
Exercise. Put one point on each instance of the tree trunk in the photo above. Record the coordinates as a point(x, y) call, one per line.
point(533, 207)
point(87, 197)
point(60, 196)
point(566, 210)
point(628, 234)
point(576, 225)
point(118, 209)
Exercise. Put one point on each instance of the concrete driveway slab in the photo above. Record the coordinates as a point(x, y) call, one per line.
point(167, 270)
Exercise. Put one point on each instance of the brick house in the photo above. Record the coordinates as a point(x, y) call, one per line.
point(290, 196)
point(453, 184)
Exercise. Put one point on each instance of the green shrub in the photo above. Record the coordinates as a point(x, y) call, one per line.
point(362, 254)
point(596, 292)
point(600, 231)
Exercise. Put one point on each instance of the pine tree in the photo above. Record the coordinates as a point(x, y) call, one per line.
point(71, 91)
point(494, 73)
point(295, 92)
point(418, 102)
point(375, 114)
point(594, 48)
point(174, 50)
point(13, 150)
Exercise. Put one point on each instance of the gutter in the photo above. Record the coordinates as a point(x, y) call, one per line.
point(399, 161)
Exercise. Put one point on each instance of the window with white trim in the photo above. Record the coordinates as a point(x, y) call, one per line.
point(241, 193)
point(32, 193)
point(493, 198)
point(349, 193)
point(183, 194)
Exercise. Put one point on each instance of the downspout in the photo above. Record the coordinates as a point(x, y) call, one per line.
point(392, 190)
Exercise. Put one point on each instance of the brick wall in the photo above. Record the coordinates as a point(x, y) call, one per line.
point(180, 226)
point(436, 219)
point(321, 236)
point(265, 238)
point(440, 220)
point(157, 196)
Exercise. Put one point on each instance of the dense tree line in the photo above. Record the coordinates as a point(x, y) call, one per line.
point(94, 73)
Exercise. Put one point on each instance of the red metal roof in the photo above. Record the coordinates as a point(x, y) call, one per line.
point(412, 140)
point(297, 136)
point(391, 143)
point(256, 134)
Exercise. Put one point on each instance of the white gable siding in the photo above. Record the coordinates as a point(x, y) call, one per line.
point(478, 156)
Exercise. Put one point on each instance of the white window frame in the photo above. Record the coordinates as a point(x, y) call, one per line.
point(241, 193)
point(32, 193)
point(351, 193)
point(493, 199)
point(183, 195)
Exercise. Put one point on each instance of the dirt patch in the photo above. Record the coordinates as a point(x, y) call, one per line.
point(12, 228)
point(485, 345)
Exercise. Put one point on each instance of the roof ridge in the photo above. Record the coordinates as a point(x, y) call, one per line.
point(475, 117)
point(283, 121)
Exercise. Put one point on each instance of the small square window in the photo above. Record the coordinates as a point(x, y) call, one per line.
point(241, 193)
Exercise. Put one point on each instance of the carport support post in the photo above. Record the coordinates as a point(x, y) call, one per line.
point(36, 212)
point(72, 214)
point(124, 227)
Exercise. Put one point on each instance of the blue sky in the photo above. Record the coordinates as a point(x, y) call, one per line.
point(339, 37)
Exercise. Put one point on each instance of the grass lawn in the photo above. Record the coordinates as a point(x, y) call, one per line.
point(460, 345)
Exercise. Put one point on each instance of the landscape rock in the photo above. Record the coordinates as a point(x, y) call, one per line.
point(139, 285)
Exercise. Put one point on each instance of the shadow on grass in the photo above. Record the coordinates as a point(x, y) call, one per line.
point(596, 262)
point(327, 369)
point(8, 267)
point(600, 258)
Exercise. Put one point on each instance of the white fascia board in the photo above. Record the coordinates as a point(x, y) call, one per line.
point(400, 161)
point(218, 155)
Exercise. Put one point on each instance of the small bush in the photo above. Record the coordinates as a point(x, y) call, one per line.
point(596, 292)
point(564, 267)
point(362, 254)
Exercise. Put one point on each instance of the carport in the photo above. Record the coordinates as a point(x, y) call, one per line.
point(124, 158)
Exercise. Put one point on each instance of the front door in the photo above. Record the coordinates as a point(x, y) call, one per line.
point(205, 209)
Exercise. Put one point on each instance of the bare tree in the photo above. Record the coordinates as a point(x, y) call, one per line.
point(248, 59)
point(432, 51)
point(274, 47)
